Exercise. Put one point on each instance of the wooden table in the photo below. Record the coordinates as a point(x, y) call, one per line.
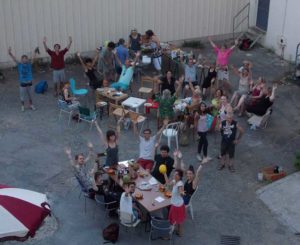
point(110, 96)
point(148, 201)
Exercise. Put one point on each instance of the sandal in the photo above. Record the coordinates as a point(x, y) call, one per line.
point(221, 167)
point(231, 169)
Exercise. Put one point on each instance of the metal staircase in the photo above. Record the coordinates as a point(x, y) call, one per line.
point(241, 21)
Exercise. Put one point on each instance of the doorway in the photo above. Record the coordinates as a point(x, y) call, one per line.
point(263, 14)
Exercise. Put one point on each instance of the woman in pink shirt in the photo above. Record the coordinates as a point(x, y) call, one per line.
point(223, 55)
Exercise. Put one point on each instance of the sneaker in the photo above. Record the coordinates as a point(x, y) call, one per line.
point(199, 157)
point(22, 108)
point(32, 107)
point(206, 159)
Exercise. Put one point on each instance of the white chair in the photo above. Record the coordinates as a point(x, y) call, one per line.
point(171, 131)
point(127, 220)
point(190, 205)
point(65, 108)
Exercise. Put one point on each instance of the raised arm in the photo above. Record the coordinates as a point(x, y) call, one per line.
point(91, 152)
point(96, 57)
point(197, 177)
point(159, 132)
point(272, 97)
point(236, 42)
point(102, 139)
point(118, 131)
point(45, 44)
point(68, 153)
point(12, 56)
point(81, 61)
point(70, 43)
point(191, 86)
point(212, 43)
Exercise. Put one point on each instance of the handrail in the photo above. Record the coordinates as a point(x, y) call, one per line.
point(247, 6)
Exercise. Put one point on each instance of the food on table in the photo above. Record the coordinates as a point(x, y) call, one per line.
point(126, 179)
point(168, 194)
point(138, 195)
point(162, 188)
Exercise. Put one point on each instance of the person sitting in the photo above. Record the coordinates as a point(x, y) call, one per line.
point(264, 103)
point(90, 71)
point(245, 85)
point(71, 101)
point(126, 74)
point(253, 97)
point(163, 159)
point(81, 172)
point(190, 74)
point(216, 101)
point(128, 205)
point(167, 82)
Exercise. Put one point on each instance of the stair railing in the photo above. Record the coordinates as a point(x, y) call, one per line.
point(236, 25)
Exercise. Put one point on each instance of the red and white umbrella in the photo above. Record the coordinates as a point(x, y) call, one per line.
point(21, 212)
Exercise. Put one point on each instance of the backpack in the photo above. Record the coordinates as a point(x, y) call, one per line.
point(245, 45)
point(111, 233)
point(41, 87)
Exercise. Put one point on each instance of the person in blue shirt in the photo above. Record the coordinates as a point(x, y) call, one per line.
point(126, 74)
point(25, 77)
point(122, 54)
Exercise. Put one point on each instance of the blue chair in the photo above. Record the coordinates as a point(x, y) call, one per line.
point(79, 92)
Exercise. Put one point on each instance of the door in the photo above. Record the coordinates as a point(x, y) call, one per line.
point(263, 14)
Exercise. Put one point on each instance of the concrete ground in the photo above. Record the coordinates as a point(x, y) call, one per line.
point(32, 157)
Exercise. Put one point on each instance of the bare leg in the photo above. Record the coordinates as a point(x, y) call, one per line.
point(241, 102)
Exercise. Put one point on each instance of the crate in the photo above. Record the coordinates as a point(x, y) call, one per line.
point(269, 174)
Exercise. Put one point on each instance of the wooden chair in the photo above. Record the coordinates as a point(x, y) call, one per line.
point(137, 118)
point(146, 90)
point(117, 111)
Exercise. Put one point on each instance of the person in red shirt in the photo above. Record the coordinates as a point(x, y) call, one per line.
point(57, 63)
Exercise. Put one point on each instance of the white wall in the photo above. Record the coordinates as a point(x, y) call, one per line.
point(284, 19)
point(23, 23)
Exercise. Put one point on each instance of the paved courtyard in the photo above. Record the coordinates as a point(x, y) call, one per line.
point(32, 157)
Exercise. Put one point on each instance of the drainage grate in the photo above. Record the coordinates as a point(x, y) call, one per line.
point(230, 240)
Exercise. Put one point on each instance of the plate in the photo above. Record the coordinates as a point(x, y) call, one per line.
point(148, 104)
point(145, 186)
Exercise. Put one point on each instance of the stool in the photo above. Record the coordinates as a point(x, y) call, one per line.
point(100, 106)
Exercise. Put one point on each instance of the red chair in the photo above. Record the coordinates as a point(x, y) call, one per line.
point(154, 105)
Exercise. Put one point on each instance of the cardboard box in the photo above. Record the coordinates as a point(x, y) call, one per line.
point(269, 174)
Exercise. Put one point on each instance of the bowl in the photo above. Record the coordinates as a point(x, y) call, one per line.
point(168, 194)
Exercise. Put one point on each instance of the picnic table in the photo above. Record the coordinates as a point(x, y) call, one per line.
point(153, 199)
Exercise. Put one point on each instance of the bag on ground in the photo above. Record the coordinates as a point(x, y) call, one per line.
point(111, 233)
point(41, 87)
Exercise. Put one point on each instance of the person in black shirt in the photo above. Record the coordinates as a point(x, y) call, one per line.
point(162, 158)
point(168, 82)
point(229, 128)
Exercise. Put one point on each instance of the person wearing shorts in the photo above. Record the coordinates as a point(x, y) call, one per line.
point(57, 64)
point(25, 78)
point(229, 128)
point(190, 75)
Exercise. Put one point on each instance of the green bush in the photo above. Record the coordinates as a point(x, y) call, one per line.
point(297, 161)
point(192, 44)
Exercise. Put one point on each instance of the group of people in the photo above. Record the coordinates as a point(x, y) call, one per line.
point(115, 69)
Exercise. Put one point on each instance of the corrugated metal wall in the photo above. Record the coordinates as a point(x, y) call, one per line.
point(23, 23)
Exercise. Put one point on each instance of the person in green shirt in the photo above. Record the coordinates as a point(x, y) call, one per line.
point(166, 102)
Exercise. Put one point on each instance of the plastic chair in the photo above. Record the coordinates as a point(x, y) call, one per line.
point(83, 191)
point(86, 115)
point(170, 132)
point(190, 205)
point(100, 201)
point(79, 92)
point(161, 229)
point(64, 108)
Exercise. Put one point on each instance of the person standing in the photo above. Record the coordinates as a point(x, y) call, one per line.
point(25, 78)
point(230, 139)
point(122, 53)
point(108, 62)
point(57, 63)
point(154, 43)
point(134, 41)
